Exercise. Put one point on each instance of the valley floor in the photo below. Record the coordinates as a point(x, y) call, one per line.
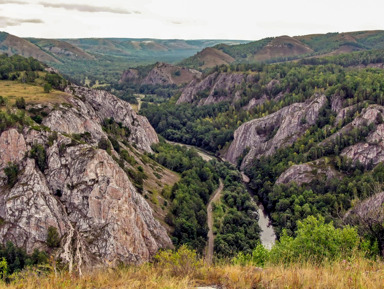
point(358, 273)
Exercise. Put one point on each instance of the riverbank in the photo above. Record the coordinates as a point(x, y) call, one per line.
point(267, 234)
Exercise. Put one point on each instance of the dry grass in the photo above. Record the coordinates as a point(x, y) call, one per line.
point(31, 93)
point(360, 273)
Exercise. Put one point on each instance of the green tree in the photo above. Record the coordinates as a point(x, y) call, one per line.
point(47, 88)
point(53, 238)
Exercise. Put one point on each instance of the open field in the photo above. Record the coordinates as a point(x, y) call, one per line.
point(31, 93)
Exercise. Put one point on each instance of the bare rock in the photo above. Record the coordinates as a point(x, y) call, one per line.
point(96, 105)
point(29, 209)
point(104, 205)
point(161, 74)
point(264, 135)
point(12, 147)
point(306, 173)
point(370, 152)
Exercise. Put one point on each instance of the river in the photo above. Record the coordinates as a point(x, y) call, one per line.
point(267, 234)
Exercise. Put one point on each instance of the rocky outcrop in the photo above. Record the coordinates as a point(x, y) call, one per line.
point(82, 191)
point(264, 135)
point(216, 87)
point(161, 74)
point(371, 151)
point(91, 107)
point(306, 173)
point(86, 196)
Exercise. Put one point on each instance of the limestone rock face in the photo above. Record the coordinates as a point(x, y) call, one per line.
point(370, 152)
point(83, 192)
point(264, 135)
point(29, 209)
point(306, 173)
point(161, 74)
point(12, 149)
point(216, 87)
point(93, 106)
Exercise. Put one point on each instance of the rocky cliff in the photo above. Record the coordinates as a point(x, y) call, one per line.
point(160, 74)
point(216, 87)
point(264, 135)
point(81, 190)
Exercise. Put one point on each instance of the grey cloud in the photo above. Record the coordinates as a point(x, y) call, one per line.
point(6, 22)
point(12, 2)
point(87, 8)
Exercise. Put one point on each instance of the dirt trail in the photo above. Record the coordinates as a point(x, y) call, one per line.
point(211, 237)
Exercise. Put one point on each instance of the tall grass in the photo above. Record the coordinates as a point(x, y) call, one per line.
point(357, 273)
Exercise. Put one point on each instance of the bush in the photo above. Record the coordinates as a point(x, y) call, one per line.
point(20, 103)
point(47, 88)
point(259, 257)
point(180, 263)
point(316, 241)
point(104, 144)
point(53, 238)
point(11, 171)
point(39, 154)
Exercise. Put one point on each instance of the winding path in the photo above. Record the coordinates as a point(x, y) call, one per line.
point(211, 237)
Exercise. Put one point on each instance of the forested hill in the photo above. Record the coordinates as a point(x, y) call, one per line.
point(285, 48)
point(101, 61)
point(309, 133)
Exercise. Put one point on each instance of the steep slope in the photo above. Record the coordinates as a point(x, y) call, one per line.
point(11, 45)
point(265, 135)
point(208, 57)
point(68, 180)
point(281, 47)
point(61, 50)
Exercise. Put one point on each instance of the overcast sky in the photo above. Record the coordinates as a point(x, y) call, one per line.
point(187, 19)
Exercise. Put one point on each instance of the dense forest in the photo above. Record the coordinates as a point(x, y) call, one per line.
point(238, 230)
point(355, 78)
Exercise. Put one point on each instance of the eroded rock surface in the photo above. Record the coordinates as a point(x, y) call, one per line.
point(264, 135)
point(306, 173)
point(82, 192)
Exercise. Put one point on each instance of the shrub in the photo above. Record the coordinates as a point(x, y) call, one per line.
point(104, 144)
point(53, 238)
point(182, 262)
point(39, 154)
point(316, 241)
point(259, 257)
point(47, 88)
point(20, 103)
point(11, 171)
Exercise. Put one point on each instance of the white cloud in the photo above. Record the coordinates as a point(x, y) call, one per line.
point(240, 19)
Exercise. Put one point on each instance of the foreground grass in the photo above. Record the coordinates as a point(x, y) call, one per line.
point(359, 273)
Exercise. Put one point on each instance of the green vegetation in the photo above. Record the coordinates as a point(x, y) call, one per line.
point(53, 238)
point(235, 216)
point(211, 127)
point(237, 230)
point(189, 197)
point(315, 242)
point(17, 259)
point(10, 67)
point(12, 172)
point(40, 155)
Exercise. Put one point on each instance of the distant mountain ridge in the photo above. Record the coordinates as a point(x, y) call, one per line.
point(285, 48)
point(103, 60)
